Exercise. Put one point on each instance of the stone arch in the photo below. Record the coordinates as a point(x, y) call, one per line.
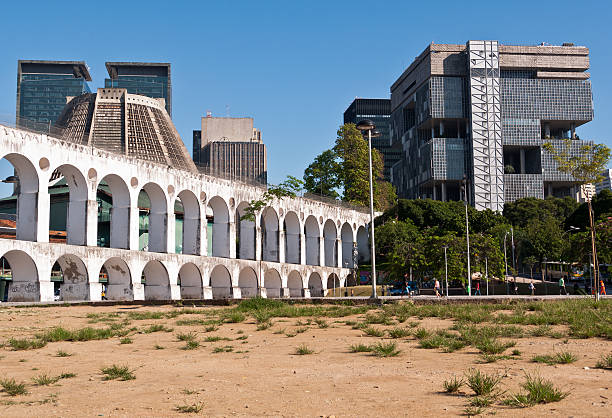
point(363, 245)
point(247, 281)
point(346, 236)
point(312, 232)
point(191, 281)
point(330, 241)
point(333, 285)
point(189, 228)
point(269, 235)
point(220, 237)
point(156, 218)
point(113, 216)
point(74, 219)
point(315, 285)
point(295, 284)
point(273, 284)
point(75, 280)
point(157, 281)
point(24, 285)
point(291, 225)
point(26, 189)
point(119, 280)
point(221, 282)
point(245, 234)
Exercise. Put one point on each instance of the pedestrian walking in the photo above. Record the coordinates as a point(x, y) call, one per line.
point(562, 290)
point(437, 288)
point(477, 292)
point(532, 288)
point(602, 290)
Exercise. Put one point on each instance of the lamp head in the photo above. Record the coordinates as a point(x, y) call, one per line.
point(366, 125)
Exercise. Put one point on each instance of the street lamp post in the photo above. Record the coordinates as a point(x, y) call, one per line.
point(467, 236)
point(368, 125)
point(506, 263)
point(446, 269)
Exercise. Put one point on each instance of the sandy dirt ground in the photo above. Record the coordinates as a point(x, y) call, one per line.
point(263, 375)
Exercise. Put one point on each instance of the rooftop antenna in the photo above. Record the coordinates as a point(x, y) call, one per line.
point(208, 114)
point(227, 110)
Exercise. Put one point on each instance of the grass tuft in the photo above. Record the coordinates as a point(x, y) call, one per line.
point(186, 336)
point(453, 384)
point(26, 344)
point(62, 353)
point(538, 390)
point(303, 350)
point(191, 345)
point(398, 333)
point(481, 383)
point(117, 372)
point(373, 332)
point(45, 380)
point(385, 349)
point(360, 348)
point(563, 357)
point(605, 362)
point(189, 409)
point(492, 346)
point(11, 387)
point(126, 340)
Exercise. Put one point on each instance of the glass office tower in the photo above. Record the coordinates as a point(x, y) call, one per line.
point(149, 79)
point(43, 86)
point(379, 112)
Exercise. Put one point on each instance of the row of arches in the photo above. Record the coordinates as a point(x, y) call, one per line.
point(182, 220)
point(71, 281)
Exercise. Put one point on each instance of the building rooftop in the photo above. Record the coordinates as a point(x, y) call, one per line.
point(115, 69)
point(79, 68)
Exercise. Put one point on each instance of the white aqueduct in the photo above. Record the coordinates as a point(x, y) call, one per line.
point(296, 248)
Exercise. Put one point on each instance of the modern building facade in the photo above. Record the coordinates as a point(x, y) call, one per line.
point(379, 112)
point(606, 183)
point(483, 110)
point(231, 148)
point(151, 79)
point(43, 88)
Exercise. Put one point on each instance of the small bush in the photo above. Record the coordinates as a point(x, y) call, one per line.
point(385, 349)
point(242, 337)
point(189, 409)
point(303, 350)
point(235, 317)
point(158, 347)
point(211, 328)
point(191, 345)
point(472, 411)
point(67, 375)
point(480, 401)
point(516, 352)
point(264, 325)
point(25, 344)
point(189, 336)
point(301, 330)
point(62, 353)
point(157, 328)
point(398, 333)
point(321, 323)
point(538, 391)
point(11, 387)
point(378, 318)
point(215, 338)
point(421, 333)
point(126, 340)
point(563, 357)
point(490, 346)
point(482, 383)
point(373, 332)
point(360, 348)
point(605, 362)
point(226, 349)
point(453, 384)
point(45, 380)
point(117, 372)
point(188, 322)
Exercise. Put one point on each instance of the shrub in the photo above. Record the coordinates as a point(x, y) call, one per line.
point(25, 344)
point(321, 323)
point(303, 350)
point(563, 357)
point(605, 362)
point(117, 372)
point(385, 349)
point(453, 384)
point(45, 380)
point(235, 317)
point(421, 333)
point(538, 391)
point(482, 383)
point(373, 332)
point(360, 348)
point(67, 375)
point(264, 325)
point(157, 328)
point(125, 340)
point(215, 338)
point(490, 346)
point(189, 336)
point(62, 353)
point(191, 345)
point(211, 328)
point(398, 333)
point(189, 409)
point(11, 387)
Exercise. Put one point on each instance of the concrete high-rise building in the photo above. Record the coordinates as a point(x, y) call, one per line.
point(151, 79)
point(484, 110)
point(231, 147)
point(43, 86)
point(379, 112)
point(606, 183)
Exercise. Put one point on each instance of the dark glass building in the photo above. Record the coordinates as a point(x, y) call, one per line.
point(43, 86)
point(151, 79)
point(379, 112)
point(484, 110)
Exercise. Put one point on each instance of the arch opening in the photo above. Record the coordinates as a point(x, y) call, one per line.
point(295, 285)
point(333, 285)
point(116, 280)
point(190, 281)
point(20, 281)
point(269, 235)
point(245, 235)
point(346, 235)
point(153, 218)
point(218, 228)
point(291, 226)
point(70, 279)
point(315, 285)
point(18, 209)
point(221, 283)
point(68, 206)
point(311, 229)
point(187, 221)
point(272, 284)
point(113, 197)
point(156, 281)
point(247, 281)
point(363, 248)
point(330, 242)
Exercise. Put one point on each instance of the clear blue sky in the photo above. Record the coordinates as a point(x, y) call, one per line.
point(292, 65)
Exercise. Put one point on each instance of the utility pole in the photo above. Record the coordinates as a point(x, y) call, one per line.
point(506, 263)
point(467, 236)
point(446, 270)
point(487, 273)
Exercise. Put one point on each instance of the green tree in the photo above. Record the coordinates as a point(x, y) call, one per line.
point(322, 175)
point(289, 188)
